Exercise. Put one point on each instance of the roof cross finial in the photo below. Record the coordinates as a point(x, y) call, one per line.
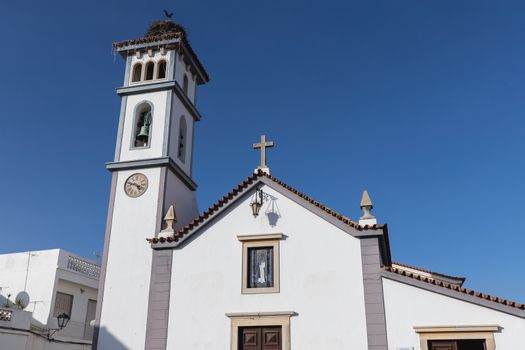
point(263, 145)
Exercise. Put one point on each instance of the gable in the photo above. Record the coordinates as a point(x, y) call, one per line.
point(257, 180)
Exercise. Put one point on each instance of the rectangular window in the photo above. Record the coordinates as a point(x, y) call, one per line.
point(63, 304)
point(260, 267)
point(260, 263)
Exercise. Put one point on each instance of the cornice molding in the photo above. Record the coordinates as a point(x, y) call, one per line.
point(153, 163)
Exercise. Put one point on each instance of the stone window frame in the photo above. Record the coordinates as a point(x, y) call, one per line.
point(484, 332)
point(261, 319)
point(262, 240)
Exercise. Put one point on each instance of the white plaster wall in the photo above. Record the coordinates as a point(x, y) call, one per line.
point(178, 110)
point(180, 70)
point(81, 295)
point(182, 198)
point(321, 280)
point(158, 100)
point(145, 59)
point(408, 307)
point(10, 340)
point(16, 340)
point(39, 271)
point(125, 301)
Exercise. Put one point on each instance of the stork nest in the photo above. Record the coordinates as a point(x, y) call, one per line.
point(163, 27)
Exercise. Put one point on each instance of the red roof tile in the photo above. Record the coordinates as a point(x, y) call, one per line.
point(428, 271)
point(455, 288)
point(242, 186)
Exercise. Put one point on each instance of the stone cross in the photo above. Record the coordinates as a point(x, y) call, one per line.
point(263, 145)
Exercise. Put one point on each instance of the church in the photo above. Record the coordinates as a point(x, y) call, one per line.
point(264, 268)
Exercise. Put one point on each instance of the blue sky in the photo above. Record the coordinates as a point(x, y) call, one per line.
point(419, 102)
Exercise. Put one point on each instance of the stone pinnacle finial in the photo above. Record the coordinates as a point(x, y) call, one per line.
point(366, 201)
point(366, 206)
point(169, 219)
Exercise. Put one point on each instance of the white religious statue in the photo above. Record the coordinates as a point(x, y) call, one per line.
point(262, 275)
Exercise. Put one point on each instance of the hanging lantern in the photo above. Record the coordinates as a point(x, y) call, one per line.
point(62, 319)
point(257, 202)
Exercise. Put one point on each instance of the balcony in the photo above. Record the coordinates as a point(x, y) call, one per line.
point(85, 267)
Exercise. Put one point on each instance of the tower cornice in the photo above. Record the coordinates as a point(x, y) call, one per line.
point(165, 85)
point(168, 41)
point(153, 163)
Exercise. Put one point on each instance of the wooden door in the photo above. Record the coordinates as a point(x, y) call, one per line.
point(444, 345)
point(260, 338)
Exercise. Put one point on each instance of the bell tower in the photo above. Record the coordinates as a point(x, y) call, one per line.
point(151, 171)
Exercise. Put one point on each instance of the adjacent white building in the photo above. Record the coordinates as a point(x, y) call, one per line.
point(38, 286)
point(264, 268)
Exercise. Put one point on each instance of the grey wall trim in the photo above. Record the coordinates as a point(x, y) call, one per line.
point(120, 130)
point(127, 71)
point(167, 125)
point(187, 102)
point(454, 294)
point(159, 300)
point(373, 290)
point(192, 147)
point(165, 85)
point(188, 54)
point(173, 64)
point(152, 163)
point(160, 283)
point(292, 196)
point(145, 88)
point(102, 279)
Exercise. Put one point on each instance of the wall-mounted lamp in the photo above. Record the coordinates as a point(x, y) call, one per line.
point(62, 321)
point(257, 202)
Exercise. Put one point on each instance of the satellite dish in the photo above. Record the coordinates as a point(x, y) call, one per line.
point(22, 300)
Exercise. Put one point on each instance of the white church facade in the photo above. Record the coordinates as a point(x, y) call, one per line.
point(264, 268)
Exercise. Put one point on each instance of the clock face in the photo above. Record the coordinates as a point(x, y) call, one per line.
point(136, 185)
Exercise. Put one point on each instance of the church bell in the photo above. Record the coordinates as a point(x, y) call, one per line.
point(143, 134)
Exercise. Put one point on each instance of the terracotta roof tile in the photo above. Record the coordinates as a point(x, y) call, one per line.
point(238, 189)
point(428, 271)
point(455, 288)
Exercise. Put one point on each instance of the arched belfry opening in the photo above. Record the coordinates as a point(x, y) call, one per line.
point(137, 72)
point(150, 68)
point(161, 70)
point(181, 154)
point(142, 125)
